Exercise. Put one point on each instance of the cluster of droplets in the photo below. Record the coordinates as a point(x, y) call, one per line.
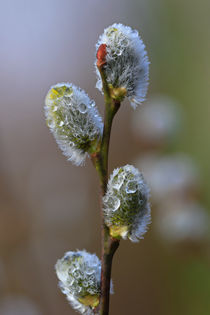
point(126, 204)
point(74, 121)
point(79, 274)
point(127, 64)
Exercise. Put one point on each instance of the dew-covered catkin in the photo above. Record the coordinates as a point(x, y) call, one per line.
point(79, 279)
point(74, 121)
point(125, 63)
point(126, 204)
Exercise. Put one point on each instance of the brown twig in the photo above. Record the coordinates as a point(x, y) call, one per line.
point(100, 160)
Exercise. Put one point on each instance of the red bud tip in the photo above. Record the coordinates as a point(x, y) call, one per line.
point(101, 55)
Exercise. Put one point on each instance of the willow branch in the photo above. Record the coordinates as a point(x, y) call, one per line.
point(100, 160)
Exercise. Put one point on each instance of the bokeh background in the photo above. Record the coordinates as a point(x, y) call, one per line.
point(47, 205)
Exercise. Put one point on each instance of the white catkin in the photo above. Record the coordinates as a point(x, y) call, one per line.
point(126, 203)
point(74, 120)
point(79, 275)
point(127, 63)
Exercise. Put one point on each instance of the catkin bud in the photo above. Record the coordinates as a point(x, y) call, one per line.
point(79, 274)
point(74, 121)
point(126, 204)
point(125, 63)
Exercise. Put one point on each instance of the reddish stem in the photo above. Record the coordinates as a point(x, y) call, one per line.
point(100, 160)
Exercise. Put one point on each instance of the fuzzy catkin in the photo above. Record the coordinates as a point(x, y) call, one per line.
point(74, 121)
point(79, 275)
point(126, 204)
point(127, 64)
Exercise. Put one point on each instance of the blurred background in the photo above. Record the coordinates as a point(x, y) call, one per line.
point(48, 206)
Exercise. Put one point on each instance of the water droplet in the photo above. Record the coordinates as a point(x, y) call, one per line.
point(90, 290)
point(125, 42)
point(67, 256)
point(67, 99)
point(114, 203)
point(66, 120)
point(105, 199)
point(92, 103)
point(131, 187)
point(82, 108)
point(119, 52)
point(71, 281)
point(55, 108)
point(51, 124)
point(117, 181)
point(111, 31)
point(90, 271)
point(141, 202)
point(95, 264)
point(73, 269)
point(76, 274)
point(61, 123)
